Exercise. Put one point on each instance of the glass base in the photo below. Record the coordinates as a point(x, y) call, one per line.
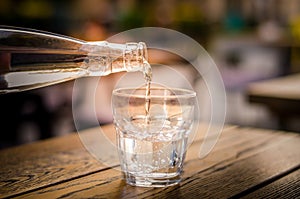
point(151, 181)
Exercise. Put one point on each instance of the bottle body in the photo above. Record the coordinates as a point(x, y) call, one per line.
point(31, 59)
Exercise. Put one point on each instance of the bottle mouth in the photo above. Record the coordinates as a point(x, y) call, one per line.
point(137, 49)
point(135, 56)
point(142, 47)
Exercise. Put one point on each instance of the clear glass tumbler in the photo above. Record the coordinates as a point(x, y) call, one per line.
point(152, 138)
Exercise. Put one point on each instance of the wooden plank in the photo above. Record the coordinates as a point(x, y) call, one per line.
point(201, 178)
point(231, 136)
point(103, 184)
point(286, 187)
point(281, 95)
point(231, 178)
point(243, 143)
point(111, 136)
point(245, 164)
point(41, 164)
point(286, 87)
point(227, 136)
point(30, 167)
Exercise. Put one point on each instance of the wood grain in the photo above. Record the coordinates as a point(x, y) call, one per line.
point(285, 187)
point(44, 163)
point(281, 96)
point(242, 161)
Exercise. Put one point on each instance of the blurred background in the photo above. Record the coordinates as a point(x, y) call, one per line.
point(250, 41)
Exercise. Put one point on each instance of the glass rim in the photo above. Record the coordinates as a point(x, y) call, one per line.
point(185, 92)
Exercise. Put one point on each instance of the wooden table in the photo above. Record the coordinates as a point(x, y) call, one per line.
point(281, 95)
point(245, 163)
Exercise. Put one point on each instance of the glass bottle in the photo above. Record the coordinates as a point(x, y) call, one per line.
point(31, 59)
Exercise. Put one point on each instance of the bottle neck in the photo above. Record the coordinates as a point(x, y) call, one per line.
point(104, 58)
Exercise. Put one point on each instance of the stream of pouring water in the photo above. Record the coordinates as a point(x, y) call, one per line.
point(148, 77)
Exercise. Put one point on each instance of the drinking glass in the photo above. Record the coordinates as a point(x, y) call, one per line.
point(152, 133)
